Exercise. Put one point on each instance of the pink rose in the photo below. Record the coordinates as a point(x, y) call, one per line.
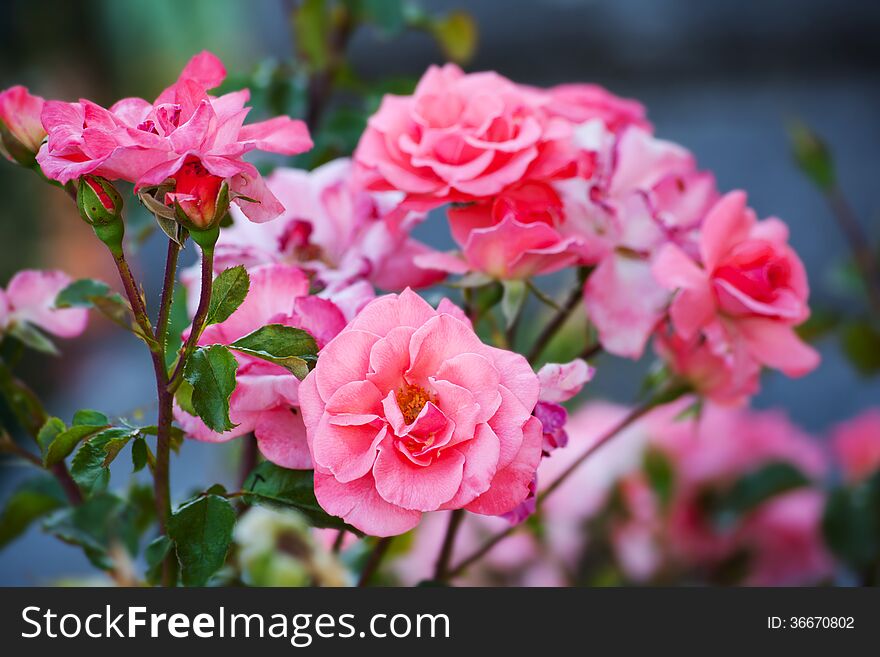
point(148, 143)
point(746, 294)
point(21, 131)
point(856, 444)
point(462, 137)
point(581, 102)
point(30, 299)
point(267, 395)
point(334, 228)
point(407, 411)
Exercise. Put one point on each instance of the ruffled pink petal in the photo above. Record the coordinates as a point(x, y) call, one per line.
point(727, 223)
point(419, 488)
point(348, 452)
point(776, 345)
point(281, 438)
point(480, 464)
point(560, 382)
point(349, 356)
point(277, 135)
point(358, 503)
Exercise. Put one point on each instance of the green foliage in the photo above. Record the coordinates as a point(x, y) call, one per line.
point(90, 467)
point(86, 423)
point(97, 295)
point(513, 299)
point(278, 487)
point(32, 338)
point(851, 523)
point(211, 373)
point(811, 154)
point(202, 533)
point(289, 347)
point(861, 344)
point(33, 499)
point(227, 294)
point(661, 475)
point(155, 554)
point(456, 33)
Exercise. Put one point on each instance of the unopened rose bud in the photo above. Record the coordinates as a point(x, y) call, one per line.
point(21, 131)
point(199, 198)
point(100, 206)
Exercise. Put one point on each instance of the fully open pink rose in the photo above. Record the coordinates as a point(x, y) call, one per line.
point(407, 411)
point(21, 131)
point(147, 143)
point(267, 395)
point(334, 228)
point(747, 292)
point(856, 444)
point(462, 137)
point(581, 102)
point(29, 298)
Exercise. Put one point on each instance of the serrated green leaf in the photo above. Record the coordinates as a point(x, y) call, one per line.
point(227, 294)
point(89, 467)
point(202, 533)
point(289, 347)
point(211, 373)
point(30, 501)
point(65, 442)
point(90, 418)
point(52, 428)
point(155, 554)
point(139, 454)
point(90, 293)
point(275, 486)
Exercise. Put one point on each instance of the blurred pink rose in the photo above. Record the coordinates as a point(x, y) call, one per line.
point(267, 395)
point(407, 411)
point(147, 143)
point(462, 137)
point(856, 444)
point(581, 102)
point(334, 228)
point(21, 131)
point(29, 298)
point(747, 291)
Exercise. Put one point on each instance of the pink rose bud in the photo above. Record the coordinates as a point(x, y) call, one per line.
point(200, 199)
point(21, 131)
point(100, 206)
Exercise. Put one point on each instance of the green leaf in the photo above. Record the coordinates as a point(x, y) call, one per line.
point(388, 15)
point(811, 154)
point(63, 444)
point(755, 488)
point(90, 466)
point(202, 533)
point(93, 525)
point(30, 501)
point(33, 338)
point(861, 344)
point(512, 300)
point(211, 373)
point(139, 454)
point(155, 555)
point(274, 486)
point(89, 418)
point(311, 23)
point(661, 475)
point(227, 294)
point(289, 347)
point(90, 293)
point(457, 35)
point(53, 428)
point(851, 523)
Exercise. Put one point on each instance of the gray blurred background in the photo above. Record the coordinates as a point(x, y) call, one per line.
point(720, 77)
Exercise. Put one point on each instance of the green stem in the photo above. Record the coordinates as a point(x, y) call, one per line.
point(167, 293)
point(553, 326)
point(374, 561)
point(135, 300)
point(198, 323)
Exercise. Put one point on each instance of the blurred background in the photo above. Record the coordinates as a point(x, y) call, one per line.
point(721, 78)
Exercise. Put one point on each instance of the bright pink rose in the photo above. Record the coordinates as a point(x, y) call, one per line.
point(581, 102)
point(407, 411)
point(746, 294)
point(513, 236)
point(21, 131)
point(332, 227)
point(30, 299)
point(267, 395)
point(148, 143)
point(462, 137)
point(856, 444)
point(644, 193)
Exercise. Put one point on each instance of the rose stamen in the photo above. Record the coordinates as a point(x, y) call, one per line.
point(411, 400)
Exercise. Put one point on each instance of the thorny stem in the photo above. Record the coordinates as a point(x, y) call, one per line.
point(198, 323)
point(634, 415)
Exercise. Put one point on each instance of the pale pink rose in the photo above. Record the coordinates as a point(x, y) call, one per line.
point(21, 131)
point(462, 137)
point(266, 396)
point(856, 444)
point(407, 411)
point(147, 143)
point(30, 299)
point(747, 292)
point(580, 102)
point(562, 381)
point(334, 228)
point(781, 537)
point(644, 193)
